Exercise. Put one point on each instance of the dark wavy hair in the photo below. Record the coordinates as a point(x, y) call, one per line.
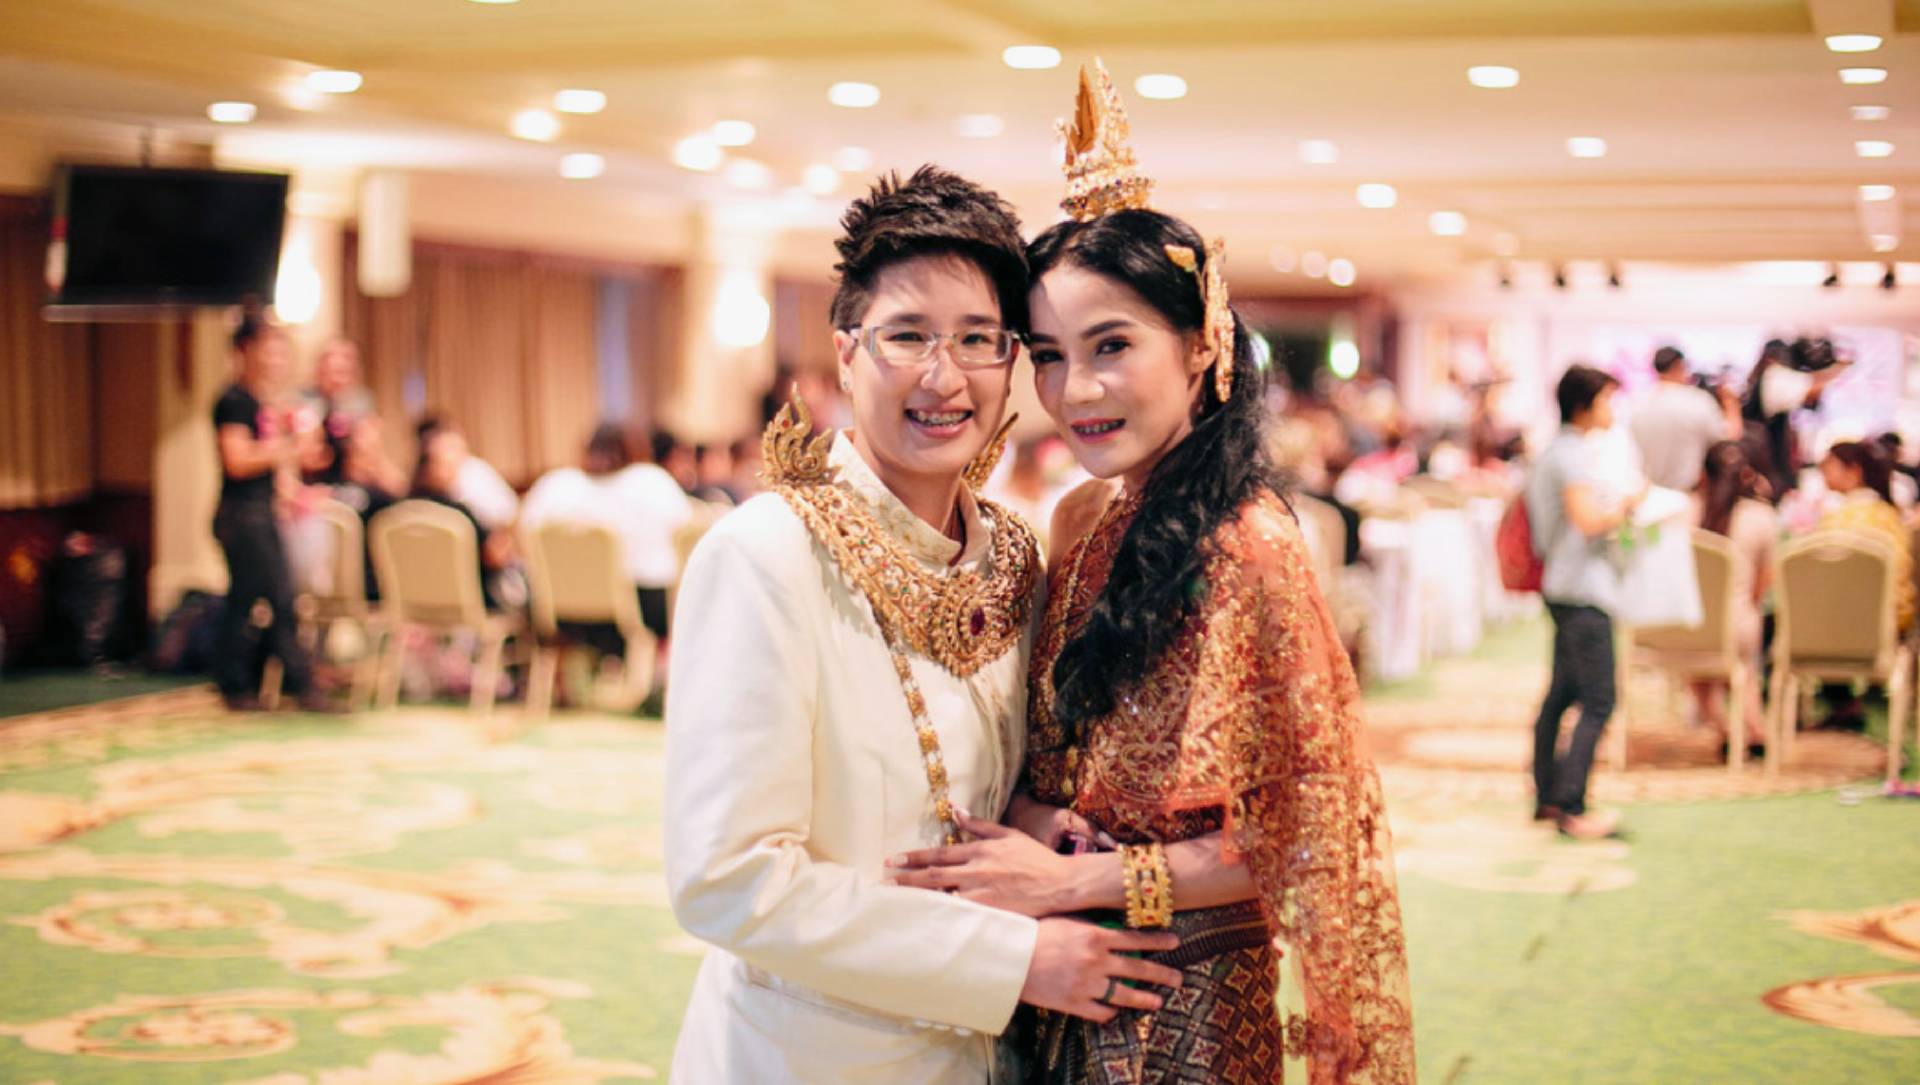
point(1158, 574)
point(932, 213)
point(1871, 460)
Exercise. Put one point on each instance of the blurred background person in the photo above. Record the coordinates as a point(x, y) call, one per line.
point(471, 482)
point(643, 505)
point(1676, 420)
point(437, 478)
point(1573, 508)
point(1732, 501)
point(252, 422)
point(677, 460)
point(1787, 378)
point(713, 466)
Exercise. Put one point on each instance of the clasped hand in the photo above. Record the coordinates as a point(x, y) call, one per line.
point(1002, 867)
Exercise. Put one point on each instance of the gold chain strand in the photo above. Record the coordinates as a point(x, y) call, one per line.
point(962, 622)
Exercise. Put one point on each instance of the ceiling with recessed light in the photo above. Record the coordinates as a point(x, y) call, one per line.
point(1721, 129)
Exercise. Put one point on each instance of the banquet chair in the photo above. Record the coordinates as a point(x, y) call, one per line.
point(1326, 537)
point(1710, 650)
point(428, 562)
point(577, 575)
point(1438, 493)
point(1834, 621)
point(685, 538)
point(340, 595)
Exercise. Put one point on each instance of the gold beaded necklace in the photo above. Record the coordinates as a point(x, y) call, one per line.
point(962, 621)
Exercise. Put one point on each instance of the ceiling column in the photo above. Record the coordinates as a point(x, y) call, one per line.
point(726, 345)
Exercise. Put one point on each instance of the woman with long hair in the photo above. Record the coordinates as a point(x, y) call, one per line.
point(1734, 502)
point(1193, 726)
point(1861, 474)
point(849, 674)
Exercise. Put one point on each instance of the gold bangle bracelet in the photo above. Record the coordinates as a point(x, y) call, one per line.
point(1148, 884)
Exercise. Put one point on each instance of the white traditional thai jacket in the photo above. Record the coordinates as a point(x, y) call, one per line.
point(793, 773)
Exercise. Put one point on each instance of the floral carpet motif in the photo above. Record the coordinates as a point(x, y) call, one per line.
point(393, 899)
point(409, 899)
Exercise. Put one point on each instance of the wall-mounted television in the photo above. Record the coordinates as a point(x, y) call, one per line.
point(138, 236)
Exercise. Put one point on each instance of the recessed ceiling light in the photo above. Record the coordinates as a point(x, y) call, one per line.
point(1313, 264)
point(1377, 196)
point(1587, 147)
point(1862, 77)
point(230, 112)
point(748, 173)
point(821, 179)
point(1161, 85)
point(579, 100)
point(699, 153)
point(1853, 43)
point(1876, 193)
point(852, 159)
point(1884, 242)
point(1871, 112)
point(582, 166)
point(1031, 57)
point(1447, 223)
point(979, 126)
point(1340, 271)
point(1872, 148)
point(1493, 76)
point(733, 133)
point(333, 81)
point(1283, 258)
point(1319, 152)
point(854, 95)
point(535, 124)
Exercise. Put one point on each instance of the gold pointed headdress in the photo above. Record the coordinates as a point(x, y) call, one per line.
point(1102, 177)
point(1101, 173)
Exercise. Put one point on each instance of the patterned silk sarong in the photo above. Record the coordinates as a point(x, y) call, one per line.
point(1221, 1024)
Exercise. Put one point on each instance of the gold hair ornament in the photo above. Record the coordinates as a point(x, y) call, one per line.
point(1101, 173)
point(1217, 331)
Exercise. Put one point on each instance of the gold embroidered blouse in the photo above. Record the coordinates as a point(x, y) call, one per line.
point(1250, 725)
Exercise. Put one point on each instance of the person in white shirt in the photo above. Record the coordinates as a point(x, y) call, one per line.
point(475, 482)
point(1786, 378)
point(641, 503)
point(1675, 423)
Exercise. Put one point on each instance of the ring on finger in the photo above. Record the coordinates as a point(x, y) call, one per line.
point(1113, 982)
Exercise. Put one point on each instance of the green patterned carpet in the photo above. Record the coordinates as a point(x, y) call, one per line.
point(399, 900)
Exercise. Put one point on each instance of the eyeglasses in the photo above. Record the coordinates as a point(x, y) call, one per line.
point(907, 345)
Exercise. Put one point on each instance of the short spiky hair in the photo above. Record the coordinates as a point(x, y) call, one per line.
point(934, 213)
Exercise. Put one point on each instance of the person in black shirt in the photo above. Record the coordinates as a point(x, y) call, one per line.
point(256, 442)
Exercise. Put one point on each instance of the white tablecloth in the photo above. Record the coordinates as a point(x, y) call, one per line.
point(1431, 588)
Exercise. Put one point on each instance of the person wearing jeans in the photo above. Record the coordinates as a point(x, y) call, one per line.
point(255, 444)
point(1573, 512)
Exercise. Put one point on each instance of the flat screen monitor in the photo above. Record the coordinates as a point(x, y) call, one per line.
point(139, 236)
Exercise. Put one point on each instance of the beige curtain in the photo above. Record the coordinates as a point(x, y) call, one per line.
point(46, 390)
point(563, 387)
point(504, 343)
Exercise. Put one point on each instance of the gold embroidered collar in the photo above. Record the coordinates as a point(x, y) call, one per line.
point(962, 616)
